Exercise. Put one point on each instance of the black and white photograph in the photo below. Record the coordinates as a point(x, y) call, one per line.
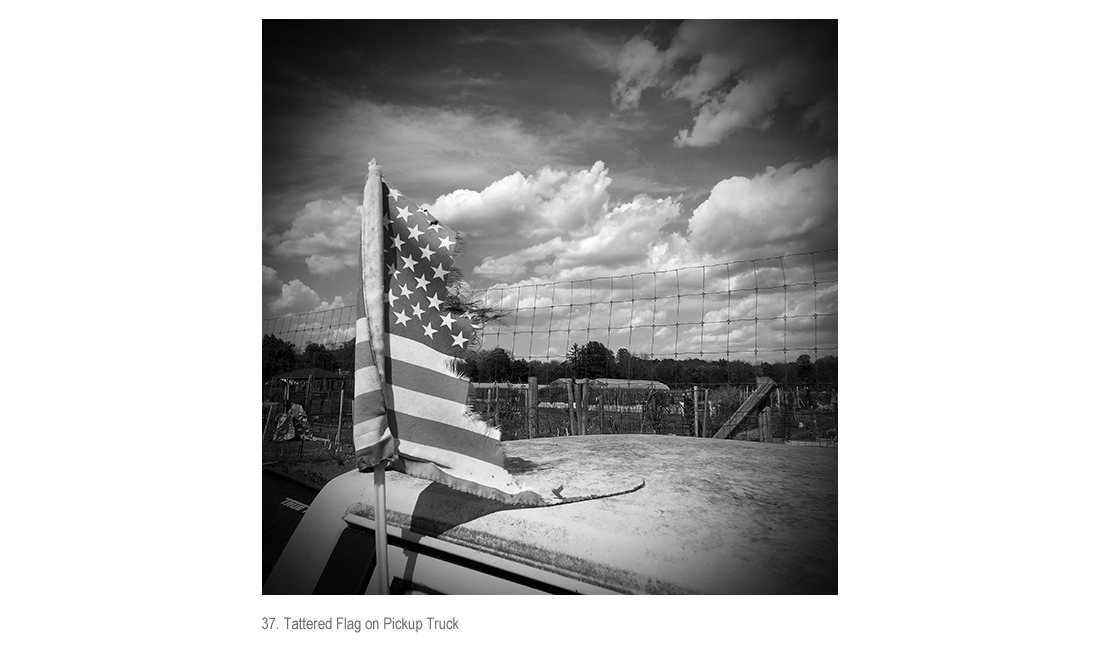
point(550, 307)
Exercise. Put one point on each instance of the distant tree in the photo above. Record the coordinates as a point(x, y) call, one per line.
point(805, 369)
point(827, 372)
point(317, 355)
point(774, 372)
point(573, 362)
point(595, 360)
point(345, 356)
point(494, 365)
point(623, 360)
point(739, 371)
point(278, 356)
point(520, 371)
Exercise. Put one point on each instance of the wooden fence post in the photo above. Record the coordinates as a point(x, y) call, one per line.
point(695, 410)
point(533, 407)
point(600, 410)
point(706, 410)
point(570, 404)
point(583, 416)
point(765, 425)
point(494, 401)
point(266, 425)
point(338, 434)
point(307, 398)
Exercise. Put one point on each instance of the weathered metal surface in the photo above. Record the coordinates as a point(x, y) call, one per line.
point(714, 516)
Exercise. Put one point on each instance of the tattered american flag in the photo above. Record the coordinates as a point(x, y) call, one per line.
point(409, 401)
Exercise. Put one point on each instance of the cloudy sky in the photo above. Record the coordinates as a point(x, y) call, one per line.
point(562, 151)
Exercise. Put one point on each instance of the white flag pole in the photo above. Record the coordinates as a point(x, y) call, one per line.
point(381, 528)
point(372, 260)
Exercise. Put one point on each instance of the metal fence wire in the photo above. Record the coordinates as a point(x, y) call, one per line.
point(691, 344)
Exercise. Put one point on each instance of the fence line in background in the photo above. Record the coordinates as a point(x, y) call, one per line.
point(653, 325)
point(762, 310)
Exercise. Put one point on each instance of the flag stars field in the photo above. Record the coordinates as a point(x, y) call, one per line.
point(423, 317)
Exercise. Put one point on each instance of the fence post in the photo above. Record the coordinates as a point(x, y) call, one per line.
point(600, 410)
point(533, 406)
point(695, 410)
point(307, 399)
point(266, 425)
point(570, 403)
point(765, 425)
point(706, 410)
point(338, 434)
point(583, 405)
point(493, 396)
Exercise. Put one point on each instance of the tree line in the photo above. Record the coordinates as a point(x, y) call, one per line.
point(591, 360)
point(594, 360)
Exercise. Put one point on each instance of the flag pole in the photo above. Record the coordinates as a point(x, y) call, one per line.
point(381, 528)
point(372, 259)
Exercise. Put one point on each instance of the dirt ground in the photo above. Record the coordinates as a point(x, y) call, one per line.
point(311, 462)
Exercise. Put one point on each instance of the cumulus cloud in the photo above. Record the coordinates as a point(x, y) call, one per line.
point(735, 74)
point(297, 297)
point(325, 234)
point(271, 285)
point(763, 215)
point(536, 242)
point(536, 207)
point(558, 223)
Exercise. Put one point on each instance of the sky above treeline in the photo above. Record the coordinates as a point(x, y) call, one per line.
point(561, 151)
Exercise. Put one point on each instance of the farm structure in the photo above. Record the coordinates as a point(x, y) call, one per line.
point(327, 399)
point(763, 411)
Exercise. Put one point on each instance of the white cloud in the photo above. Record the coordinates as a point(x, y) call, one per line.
point(639, 63)
point(749, 103)
point(556, 224)
point(563, 226)
point(325, 234)
point(337, 303)
point(734, 75)
point(271, 285)
point(537, 207)
point(296, 297)
point(762, 215)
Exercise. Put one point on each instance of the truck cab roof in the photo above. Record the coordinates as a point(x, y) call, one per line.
point(712, 516)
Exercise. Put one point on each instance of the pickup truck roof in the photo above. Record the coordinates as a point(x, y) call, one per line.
point(714, 516)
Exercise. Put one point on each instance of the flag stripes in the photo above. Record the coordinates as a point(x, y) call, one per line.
point(372, 439)
point(410, 404)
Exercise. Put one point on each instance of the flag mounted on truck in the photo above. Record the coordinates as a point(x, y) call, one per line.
point(410, 408)
point(410, 402)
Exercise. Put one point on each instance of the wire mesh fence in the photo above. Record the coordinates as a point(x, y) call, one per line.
point(590, 407)
point(763, 310)
point(675, 351)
